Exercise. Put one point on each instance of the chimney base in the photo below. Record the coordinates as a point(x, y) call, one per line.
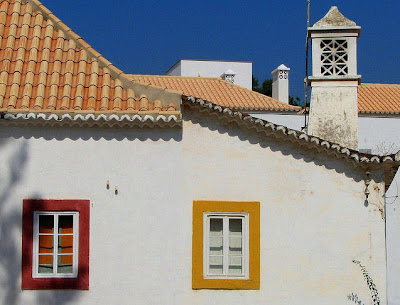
point(334, 112)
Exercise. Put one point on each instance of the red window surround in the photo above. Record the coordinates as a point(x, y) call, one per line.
point(29, 207)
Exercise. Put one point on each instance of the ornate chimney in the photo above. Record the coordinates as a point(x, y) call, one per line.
point(280, 83)
point(229, 76)
point(334, 81)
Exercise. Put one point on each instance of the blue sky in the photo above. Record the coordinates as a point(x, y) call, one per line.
point(148, 37)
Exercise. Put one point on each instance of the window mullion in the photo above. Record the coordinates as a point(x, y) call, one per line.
point(225, 249)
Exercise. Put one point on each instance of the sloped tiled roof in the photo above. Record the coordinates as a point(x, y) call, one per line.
point(218, 91)
point(379, 99)
point(45, 67)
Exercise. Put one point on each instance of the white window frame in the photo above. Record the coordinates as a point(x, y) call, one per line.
point(75, 256)
point(245, 245)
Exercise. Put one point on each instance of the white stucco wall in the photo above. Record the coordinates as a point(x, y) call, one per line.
point(313, 218)
point(214, 68)
point(126, 261)
point(381, 134)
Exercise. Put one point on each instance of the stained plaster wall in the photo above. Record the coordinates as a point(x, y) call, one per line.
point(333, 112)
point(314, 221)
point(313, 218)
point(381, 135)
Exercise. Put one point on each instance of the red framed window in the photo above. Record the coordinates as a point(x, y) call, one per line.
point(55, 244)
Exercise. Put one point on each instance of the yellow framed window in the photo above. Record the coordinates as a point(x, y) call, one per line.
point(226, 245)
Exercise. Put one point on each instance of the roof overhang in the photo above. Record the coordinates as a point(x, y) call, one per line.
point(91, 119)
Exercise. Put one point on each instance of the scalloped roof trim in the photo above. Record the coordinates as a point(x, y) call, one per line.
point(298, 136)
point(101, 119)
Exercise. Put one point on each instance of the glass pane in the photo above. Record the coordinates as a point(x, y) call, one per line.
point(235, 245)
point(45, 243)
point(216, 266)
point(46, 224)
point(45, 264)
point(216, 226)
point(235, 227)
point(64, 264)
point(65, 224)
point(65, 244)
point(216, 244)
point(235, 265)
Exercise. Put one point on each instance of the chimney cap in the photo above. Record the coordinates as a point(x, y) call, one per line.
point(229, 72)
point(282, 67)
point(334, 19)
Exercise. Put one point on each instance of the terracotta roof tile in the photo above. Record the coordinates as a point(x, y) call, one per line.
point(379, 98)
point(218, 91)
point(45, 66)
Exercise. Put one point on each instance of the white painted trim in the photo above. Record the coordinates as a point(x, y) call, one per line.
point(225, 233)
point(35, 252)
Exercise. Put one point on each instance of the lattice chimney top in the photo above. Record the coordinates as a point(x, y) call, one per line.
point(334, 47)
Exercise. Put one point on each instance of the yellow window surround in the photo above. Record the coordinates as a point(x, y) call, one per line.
point(198, 279)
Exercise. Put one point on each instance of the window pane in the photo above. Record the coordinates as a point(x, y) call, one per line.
point(45, 264)
point(216, 226)
point(216, 244)
point(65, 224)
point(235, 265)
point(235, 245)
point(235, 227)
point(235, 236)
point(45, 243)
point(64, 264)
point(46, 224)
point(216, 266)
point(65, 244)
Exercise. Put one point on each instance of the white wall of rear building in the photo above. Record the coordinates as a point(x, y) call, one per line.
point(313, 218)
point(214, 68)
point(289, 119)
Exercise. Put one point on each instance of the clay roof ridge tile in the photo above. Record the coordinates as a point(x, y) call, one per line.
point(72, 35)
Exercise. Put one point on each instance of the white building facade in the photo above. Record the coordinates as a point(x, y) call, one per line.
point(143, 186)
point(118, 192)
